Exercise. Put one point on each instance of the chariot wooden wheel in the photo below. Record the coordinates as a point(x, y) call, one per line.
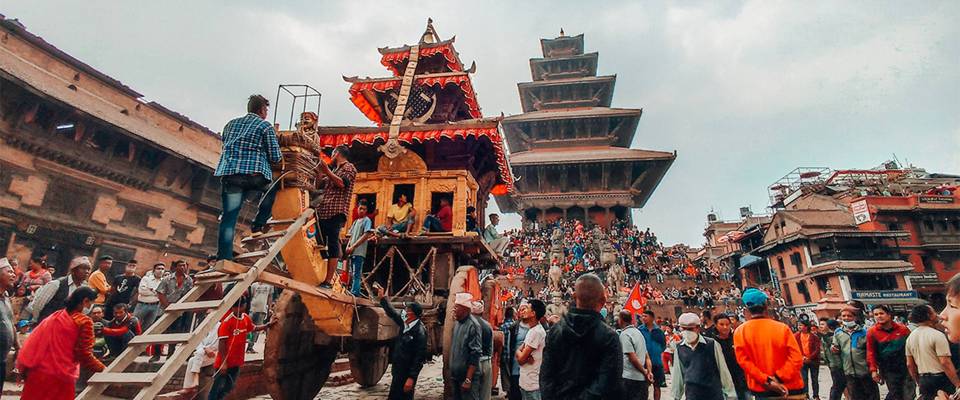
point(368, 362)
point(296, 367)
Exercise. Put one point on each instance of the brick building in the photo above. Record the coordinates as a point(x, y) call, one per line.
point(88, 167)
point(887, 235)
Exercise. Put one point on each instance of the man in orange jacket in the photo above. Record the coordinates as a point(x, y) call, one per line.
point(768, 352)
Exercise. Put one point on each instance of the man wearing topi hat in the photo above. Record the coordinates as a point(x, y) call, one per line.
point(53, 296)
point(465, 351)
point(700, 371)
point(486, 345)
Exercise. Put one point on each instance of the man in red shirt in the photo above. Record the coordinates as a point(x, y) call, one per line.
point(886, 354)
point(442, 221)
point(233, 331)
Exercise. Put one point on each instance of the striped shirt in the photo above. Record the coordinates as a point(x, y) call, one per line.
point(249, 147)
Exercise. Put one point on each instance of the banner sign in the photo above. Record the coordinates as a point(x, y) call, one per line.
point(924, 279)
point(861, 213)
point(884, 295)
point(936, 199)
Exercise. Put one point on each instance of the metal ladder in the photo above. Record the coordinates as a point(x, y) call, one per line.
point(151, 383)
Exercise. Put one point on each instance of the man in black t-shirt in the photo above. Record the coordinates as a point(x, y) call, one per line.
point(124, 288)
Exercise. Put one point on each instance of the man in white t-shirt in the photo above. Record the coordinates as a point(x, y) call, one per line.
point(637, 368)
point(928, 355)
point(530, 353)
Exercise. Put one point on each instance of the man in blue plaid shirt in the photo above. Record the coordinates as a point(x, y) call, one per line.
point(249, 147)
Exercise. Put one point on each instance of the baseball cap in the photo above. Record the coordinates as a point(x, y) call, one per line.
point(754, 297)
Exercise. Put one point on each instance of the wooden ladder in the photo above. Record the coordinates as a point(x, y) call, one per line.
point(151, 383)
point(392, 147)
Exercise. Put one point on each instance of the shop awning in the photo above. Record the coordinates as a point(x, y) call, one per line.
point(748, 259)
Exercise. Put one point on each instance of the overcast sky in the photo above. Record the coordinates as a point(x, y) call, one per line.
point(744, 91)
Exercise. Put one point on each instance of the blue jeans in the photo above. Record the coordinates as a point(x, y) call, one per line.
point(259, 318)
point(534, 395)
point(234, 189)
point(356, 274)
point(432, 224)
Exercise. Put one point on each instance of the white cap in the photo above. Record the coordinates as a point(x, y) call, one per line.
point(78, 261)
point(4, 263)
point(477, 307)
point(688, 320)
point(464, 299)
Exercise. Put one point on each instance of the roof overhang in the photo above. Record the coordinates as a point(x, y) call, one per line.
point(538, 71)
point(562, 45)
point(191, 141)
point(364, 92)
point(587, 155)
point(393, 57)
point(624, 122)
point(859, 267)
point(529, 91)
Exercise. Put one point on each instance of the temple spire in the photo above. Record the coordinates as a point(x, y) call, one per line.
point(430, 35)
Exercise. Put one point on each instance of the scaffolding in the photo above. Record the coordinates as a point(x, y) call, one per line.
point(792, 184)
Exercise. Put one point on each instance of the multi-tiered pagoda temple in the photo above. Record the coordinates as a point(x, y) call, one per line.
point(569, 150)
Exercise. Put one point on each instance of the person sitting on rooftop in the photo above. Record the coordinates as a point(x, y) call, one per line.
point(400, 218)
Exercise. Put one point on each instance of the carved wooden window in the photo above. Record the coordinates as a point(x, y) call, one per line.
point(138, 217)
point(150, 158)
point(180, 231)
point(70, 199)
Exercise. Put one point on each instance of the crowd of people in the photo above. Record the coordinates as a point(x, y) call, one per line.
point(711, 356)
point(99, 313)
point(646, 262)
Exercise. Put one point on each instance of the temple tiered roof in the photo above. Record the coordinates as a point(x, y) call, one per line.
point(570, 150)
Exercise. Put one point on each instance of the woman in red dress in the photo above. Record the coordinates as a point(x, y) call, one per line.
point(51, 357)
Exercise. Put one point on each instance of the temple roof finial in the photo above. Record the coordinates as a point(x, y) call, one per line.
point(561, 32)
point(430, 35)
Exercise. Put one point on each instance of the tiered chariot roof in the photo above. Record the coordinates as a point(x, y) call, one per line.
point(442, 111)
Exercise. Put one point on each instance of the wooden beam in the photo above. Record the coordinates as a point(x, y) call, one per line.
point(286, 282)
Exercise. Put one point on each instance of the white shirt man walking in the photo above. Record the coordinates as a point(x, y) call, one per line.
point(637, 371)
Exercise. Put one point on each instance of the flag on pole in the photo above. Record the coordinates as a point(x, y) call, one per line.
point(635, 302)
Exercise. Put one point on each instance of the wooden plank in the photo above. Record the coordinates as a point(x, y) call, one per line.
point(264, 236)
point(194, 306)
point(310, 290)
point(164, 338)
point(250, 255)
point(221, 279)
point(124, 378)
point(280, 221)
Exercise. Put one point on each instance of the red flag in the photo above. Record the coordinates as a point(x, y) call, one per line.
point(635, 302)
